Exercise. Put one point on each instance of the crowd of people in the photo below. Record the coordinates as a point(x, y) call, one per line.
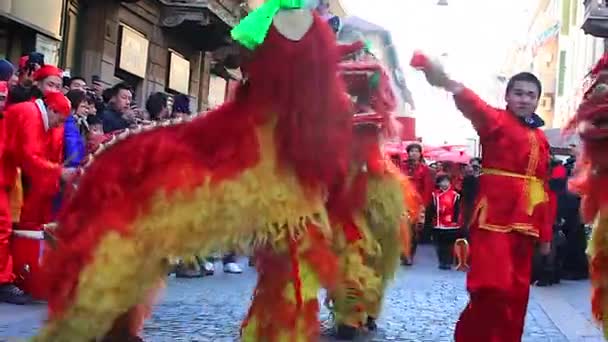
point(93, 114)
point(449, 190)
point(514, 208)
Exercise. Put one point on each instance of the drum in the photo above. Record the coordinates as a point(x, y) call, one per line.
point(27, 247)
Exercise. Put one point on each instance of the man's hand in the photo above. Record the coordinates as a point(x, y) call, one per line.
point(545, 248)
point(68, 173)
point(435, 73)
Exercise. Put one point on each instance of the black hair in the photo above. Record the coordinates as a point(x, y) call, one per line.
point(475, 159)
point(90, 97)
point(105, 95)
point(93, 120)
point(155, 104)
point(440, 177)
point(76, 97)
point(111, 92)
point(525, 77)
point(410, 147)
point(76, 78)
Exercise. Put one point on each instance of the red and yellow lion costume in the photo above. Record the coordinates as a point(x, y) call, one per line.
point(591, 181)
point(370, 212)
point(254, 172)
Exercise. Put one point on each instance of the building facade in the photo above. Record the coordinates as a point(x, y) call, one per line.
point(579, 52)
point(155, 45)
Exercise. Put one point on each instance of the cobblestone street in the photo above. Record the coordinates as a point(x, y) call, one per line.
point(422, 305)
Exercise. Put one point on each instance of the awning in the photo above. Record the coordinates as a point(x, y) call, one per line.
point(191, 10)
point(204, 23)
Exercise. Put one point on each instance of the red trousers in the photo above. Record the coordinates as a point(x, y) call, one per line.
point(6, 260)
point(499, 287)
point(26, 253)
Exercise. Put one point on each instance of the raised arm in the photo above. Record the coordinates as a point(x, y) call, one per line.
point(485, 118)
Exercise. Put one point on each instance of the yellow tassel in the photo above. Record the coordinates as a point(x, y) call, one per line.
point(461, 251)
point(16, 198)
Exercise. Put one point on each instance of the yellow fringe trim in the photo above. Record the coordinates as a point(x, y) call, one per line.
point(358, 288)
point(310, 289)
point(599, 244)
point(261, 207)
point(385, 211)
point(16, 198)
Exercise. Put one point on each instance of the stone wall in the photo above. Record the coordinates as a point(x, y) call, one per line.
point(101, 48)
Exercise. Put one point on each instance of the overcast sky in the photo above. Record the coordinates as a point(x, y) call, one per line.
point(475, 35)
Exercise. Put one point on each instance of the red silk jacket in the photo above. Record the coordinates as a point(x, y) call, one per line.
point(422, 178)
point(513, 187)
point(446, 209)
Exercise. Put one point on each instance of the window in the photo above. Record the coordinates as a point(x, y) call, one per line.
point(70, 53)
point(566, 9)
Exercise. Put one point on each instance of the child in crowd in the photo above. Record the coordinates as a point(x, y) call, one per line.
point(445, 211)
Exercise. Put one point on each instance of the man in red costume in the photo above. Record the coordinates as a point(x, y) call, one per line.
point(512, 210)
point(27, 145)
point(420, 174)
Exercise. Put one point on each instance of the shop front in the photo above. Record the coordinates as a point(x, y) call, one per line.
point(154, 45)
point(31, 25)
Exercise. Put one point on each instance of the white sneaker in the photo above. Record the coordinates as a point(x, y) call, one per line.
point(208, 268)
point(232, 267)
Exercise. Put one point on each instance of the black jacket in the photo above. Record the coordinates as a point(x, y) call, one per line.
point(113, 121)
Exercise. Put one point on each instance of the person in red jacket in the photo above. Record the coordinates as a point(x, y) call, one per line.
point(28, 128)
point(511, 212)
point(422, 178)
point(445, 211)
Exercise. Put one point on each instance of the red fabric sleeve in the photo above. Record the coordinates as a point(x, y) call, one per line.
point(550, 212)
point(485, 118)
point(429, 187)
point(35, 163)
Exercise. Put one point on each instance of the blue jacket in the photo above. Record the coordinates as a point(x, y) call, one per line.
point(74, 146)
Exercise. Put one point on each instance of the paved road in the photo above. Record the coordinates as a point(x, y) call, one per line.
point(422, 305)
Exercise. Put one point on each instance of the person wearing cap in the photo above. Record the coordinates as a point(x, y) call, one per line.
point(46, 78)
point(27, 148)
point(512, 213)
point(7, 71)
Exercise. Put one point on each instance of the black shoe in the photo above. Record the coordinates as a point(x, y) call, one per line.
point(11, 294)
point(185, 271)
point(346, 333)
point(371, 324)
point(543, 283)
point(575, 276)
point(111, 338)
point(407, 261)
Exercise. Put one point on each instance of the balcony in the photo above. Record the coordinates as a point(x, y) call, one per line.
point(205, 23)
point(596, 18)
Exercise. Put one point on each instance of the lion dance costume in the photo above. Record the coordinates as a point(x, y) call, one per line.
point(248, 173)
point(369, 213)
point(591, 123)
